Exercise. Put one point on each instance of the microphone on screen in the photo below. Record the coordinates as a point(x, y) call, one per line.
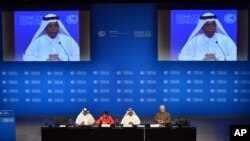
point(225, 59)
point(64, 50)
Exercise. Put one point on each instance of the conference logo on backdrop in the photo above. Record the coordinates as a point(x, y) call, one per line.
point(101, 33)
point(229, 18)
point(72, 19)
point(28, 20)
point(187, 18)
point(112, 33)
point(142, 33)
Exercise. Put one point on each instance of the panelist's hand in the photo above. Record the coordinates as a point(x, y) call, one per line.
point(209, 57)
point(160, 121)
point(130, 122)
point(53, 57)
point(82, 123)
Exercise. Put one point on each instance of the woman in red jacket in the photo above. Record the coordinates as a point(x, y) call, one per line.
point(105, 119)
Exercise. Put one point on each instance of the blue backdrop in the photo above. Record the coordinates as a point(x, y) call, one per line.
point(124, 72)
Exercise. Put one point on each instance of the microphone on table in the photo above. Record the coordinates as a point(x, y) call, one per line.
point(225, 59)
point(64, 49)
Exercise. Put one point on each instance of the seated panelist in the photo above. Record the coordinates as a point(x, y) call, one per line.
point(105, 118)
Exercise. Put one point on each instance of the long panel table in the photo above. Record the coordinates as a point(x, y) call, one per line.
point(118, 134)
point(170, 134)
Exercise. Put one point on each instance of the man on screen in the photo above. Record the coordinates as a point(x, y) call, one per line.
point(52, 42)
point(130, 118)
point(209, 42)
point(85, 118)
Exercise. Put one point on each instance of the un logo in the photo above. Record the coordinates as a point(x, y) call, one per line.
point(230, 18)
point(101, 33)
point(72, 19)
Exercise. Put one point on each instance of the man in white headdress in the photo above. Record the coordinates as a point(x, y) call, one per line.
point(209, 42)
point(130, 118)
point(85, 118)
point(52, 42)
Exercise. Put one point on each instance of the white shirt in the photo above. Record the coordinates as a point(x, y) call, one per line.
point(219, 44)
point(88, 119)
point(134, 119)
point(43, 46)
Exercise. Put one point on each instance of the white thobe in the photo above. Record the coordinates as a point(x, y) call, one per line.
point(221, 45)
point(88, 119)
point(64, 46)
point(134, 119)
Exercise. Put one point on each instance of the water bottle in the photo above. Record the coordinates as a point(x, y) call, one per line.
point(116, 122)
point(71, 122)
point(45, 122)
